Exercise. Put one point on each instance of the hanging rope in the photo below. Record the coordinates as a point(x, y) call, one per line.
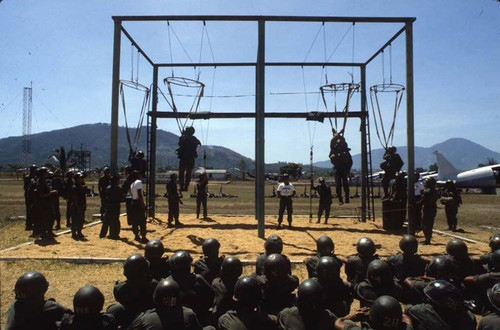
point(144, 108)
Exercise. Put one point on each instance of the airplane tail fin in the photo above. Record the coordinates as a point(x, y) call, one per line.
point(446, 171)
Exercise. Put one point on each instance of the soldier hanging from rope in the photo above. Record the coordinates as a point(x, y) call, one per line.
point(342, 163)
point(187, 154)
point(137, 162)
point(391, 165)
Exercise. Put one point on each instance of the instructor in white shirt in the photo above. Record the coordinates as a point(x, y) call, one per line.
point(138, 208)
point(286, 191)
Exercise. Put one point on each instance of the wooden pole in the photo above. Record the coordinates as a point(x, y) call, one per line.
point(259, 130)
point(115, 103)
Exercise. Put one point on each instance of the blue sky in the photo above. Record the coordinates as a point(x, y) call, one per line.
point(65, 48)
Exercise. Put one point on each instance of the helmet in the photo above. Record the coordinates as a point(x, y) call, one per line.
point(321, 179)
point(445, 295)
point(457, 249)
point(328, 268)
point(365, 247)
point(140, 154)
point(442, 268)
point(181, 262)
point(495, 261)
point(211, 247)
point(135, 267)
point(173, 176)
point(275, 267)
point(167, 294)
point(69, 174)
point(273, 244)
point(495, 242)
point(493, 294)
point(88, 300)
point(248, 291)
point(392, 149)
point(42, 170)
point(231, 268)
point(105, 170)
point(379, 273)
point(325, 245)
point(430, 183)
point(190, 130)
point(385, 313)
point(33, 167)
point(309, 295)
point(154, 249)
point(31, 286)
point(408, 244)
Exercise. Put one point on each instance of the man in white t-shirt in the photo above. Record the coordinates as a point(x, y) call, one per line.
point(286, 191)
point(138, 208)
point(419, 190)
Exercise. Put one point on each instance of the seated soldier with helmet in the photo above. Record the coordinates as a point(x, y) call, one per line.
point(158, 265)
point(356, 266)
point(30, 310)
point(485, 260)
point(209, 265)
point(325, 247)
point(491, 312)
point(87, 303)
point(457, 251)
point(408, 263)
point(273, 244)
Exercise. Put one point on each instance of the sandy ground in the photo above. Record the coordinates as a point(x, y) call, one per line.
point(237, 235)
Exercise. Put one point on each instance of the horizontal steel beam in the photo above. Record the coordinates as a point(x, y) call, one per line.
point(347, 64)
point(268, 18)
point(236, 115)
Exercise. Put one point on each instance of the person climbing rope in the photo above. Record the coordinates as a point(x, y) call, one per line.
point(186, 154)
point(391, 165)
point(341, 159)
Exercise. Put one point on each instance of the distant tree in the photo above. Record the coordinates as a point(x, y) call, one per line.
point(420, 170)
point(433, 167)
point(242, 166)
point(491, 161)
point(293, 169)
point(60, 156)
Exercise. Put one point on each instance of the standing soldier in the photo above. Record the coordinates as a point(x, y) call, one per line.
point(428, 202)
point(201, 195)
point(186, 154)
point(113, 196)
point(391, 165)
point(44, 196)
point(57, 184)
point(341, 159)
point(325, 199)
point(29, 181)
point(451, 200)
point(101, 186)
point(419, 190)
point(173, 201)
point(68, 185)
point(286, 191)
point(138, 208)
point(79, 205)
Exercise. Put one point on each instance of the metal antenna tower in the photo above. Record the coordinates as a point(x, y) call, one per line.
point(27, 109)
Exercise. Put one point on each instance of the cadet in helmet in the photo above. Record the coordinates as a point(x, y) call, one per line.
point(451, 199)
point(325, 199)
point(223, 288)
point(174, 199)
point(102, 184)
point(135, 295)
point(338, 298)
point(56, 183)
point(113, 196)
point(477, 285)
point(457, 250)
point(391, 165)
point(428, 203)
point(196, 293)
point(68, 185)
point(379, 282)
point(444, 309)
point(440, 268)
point(209, 265)
point(44, 197)
point(30, 310)
point(187, 154)
point(87, 304)
point(408, 263)
point(491, 314)
point(356, 266)
point(286, 191)
point(79, 205)
point(168, 313)
point(247, 315)
point(159, 266)
point(273, 244)
point(29, 181)
point(310, 312)
point(278, 285)
point(202, 195)
point(137, 162)
point(384, 314)
point(485, 260)
point(324, 247)
point(341, 159)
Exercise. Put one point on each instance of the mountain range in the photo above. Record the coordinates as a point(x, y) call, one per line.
point(96, 138)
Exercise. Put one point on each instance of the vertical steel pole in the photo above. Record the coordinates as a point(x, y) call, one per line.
point(364, 156)
point(115, 98)
point(259, 130)
point(410, 128)
point(152, 149)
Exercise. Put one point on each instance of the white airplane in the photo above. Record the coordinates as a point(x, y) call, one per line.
point(486, 178)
